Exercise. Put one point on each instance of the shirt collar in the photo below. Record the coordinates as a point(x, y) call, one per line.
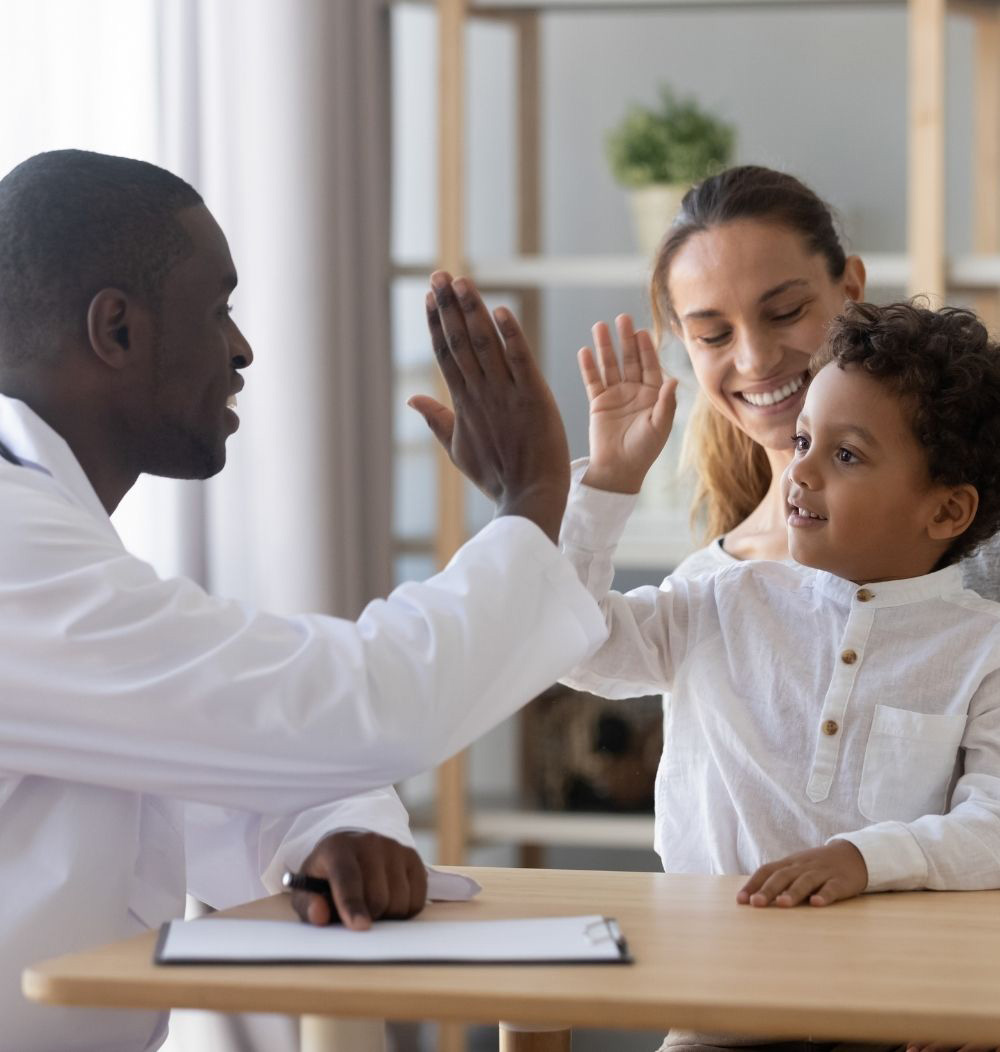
point(891, 593)
point(40, 448)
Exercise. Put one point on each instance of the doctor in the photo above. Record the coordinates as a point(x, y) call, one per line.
point(153, 737)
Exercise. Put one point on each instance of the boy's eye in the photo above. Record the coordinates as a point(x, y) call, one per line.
point(801, 443)
point(845, 456)
point(225, 310)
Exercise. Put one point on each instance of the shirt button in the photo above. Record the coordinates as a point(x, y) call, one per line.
point(864, 594)
point(830, 728)
point(849, 657)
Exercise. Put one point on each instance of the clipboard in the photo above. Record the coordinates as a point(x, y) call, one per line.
point(590, 939)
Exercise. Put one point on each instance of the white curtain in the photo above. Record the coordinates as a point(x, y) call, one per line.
point(278, 114)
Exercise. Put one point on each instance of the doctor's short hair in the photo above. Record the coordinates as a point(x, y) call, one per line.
point(945, 368)
point(74, 222)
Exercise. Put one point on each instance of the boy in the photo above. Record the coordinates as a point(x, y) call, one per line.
point(834, 725)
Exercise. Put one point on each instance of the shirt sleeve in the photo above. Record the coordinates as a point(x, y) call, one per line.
point(647, 627)
point(235, 856)
point(117, 678)
point(957, 851)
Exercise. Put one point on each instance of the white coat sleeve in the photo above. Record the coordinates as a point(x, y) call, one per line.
point(957, 851)
point(647, 627)
point(235, 856)
point(115, 677)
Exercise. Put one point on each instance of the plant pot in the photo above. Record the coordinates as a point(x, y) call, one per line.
point(653, 210)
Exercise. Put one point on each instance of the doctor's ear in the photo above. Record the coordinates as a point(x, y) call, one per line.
point(955, 512)
point(114, 319)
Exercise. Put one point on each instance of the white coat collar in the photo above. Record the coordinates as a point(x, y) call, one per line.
point(41, 448)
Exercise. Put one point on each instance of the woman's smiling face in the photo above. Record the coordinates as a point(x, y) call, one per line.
point(752, 305)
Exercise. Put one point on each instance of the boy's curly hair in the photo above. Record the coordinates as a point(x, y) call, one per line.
point(945, 366)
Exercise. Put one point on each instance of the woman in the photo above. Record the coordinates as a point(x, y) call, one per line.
point(748, 277)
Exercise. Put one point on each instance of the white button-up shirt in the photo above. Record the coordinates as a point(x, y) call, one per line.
point(153, 737)
point(805, 707)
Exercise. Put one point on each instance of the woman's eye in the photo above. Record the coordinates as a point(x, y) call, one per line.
point(792, 314)
point(225, 310)
point(714, 341)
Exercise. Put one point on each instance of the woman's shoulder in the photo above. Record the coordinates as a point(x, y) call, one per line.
point(981, 570)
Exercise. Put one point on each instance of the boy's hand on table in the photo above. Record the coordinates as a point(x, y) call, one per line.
point(821, 876)
point(371, 877)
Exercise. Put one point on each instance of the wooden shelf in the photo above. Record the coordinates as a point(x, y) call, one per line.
point(886, 270)
point(493, 823)
point(490, 7)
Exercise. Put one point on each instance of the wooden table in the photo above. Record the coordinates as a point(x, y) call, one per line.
point(891, 967)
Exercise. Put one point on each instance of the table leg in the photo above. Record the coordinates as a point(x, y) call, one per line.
point(532, 1037)
point(319, 1033)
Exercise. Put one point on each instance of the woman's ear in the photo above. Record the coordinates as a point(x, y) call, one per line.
point(954, 513)
point(854, 279)
point(112, 327)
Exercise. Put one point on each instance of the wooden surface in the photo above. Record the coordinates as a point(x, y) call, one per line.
point(881, 967)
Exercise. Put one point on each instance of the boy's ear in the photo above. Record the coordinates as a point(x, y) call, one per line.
point(954, 513)
point(114, 321)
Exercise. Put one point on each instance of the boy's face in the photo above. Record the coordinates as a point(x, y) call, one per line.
point(860, 501)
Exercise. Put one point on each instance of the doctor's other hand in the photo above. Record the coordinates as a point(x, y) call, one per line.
point(505, 432)
point(371, 877)
point(631, 406)
point(819, 876)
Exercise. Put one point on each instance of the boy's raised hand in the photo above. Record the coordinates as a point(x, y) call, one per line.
point(819, 876)
point(631, 407)
point(505, 432)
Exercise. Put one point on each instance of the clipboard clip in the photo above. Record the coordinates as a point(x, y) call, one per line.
point(606, 930)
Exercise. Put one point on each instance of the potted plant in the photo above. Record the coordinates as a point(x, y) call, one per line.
point(658, 153)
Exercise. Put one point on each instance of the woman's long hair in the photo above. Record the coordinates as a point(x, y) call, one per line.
point(732, 471)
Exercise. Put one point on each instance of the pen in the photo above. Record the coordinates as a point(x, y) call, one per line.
point(301, 882)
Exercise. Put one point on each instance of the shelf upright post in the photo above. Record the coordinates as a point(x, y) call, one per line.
point(529, 231)
point(926, 198)
point(451, 778)
point(452, 774)
point(986, 153)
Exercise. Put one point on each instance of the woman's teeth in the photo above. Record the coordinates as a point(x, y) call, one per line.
point(807, 514)
point(778, 395)
point(231, 402)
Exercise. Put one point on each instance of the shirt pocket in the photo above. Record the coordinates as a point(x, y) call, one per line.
point(909, 762)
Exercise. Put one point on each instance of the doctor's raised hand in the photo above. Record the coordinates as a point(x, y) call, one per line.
point(505, 432)
point(631, 406)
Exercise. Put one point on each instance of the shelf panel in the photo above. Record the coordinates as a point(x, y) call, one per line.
point(488, 7)
point(493, 824)
point(885, 270)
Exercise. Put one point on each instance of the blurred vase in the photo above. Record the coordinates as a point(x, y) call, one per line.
point(653, 210)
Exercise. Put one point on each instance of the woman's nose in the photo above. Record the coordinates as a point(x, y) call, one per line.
point(756, 358)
